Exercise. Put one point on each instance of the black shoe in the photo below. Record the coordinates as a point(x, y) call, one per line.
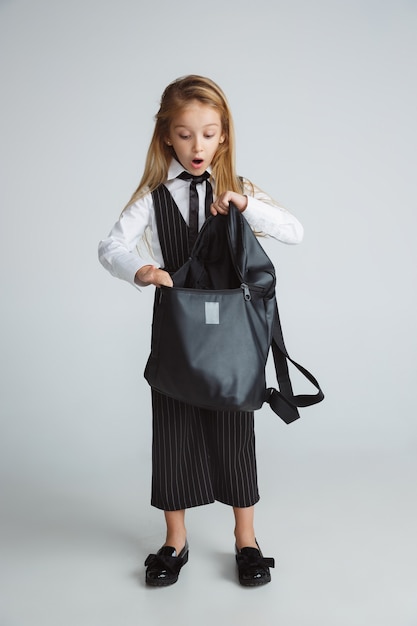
point(253, 567)
point(163, 568)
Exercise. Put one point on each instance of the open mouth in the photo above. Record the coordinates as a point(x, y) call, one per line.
point(197, 161)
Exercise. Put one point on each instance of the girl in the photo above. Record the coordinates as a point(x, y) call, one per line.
point(198, 456)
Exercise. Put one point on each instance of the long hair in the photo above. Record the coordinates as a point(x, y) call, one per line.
point(176, 96)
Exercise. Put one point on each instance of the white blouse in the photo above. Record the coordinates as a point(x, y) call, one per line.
point(124, 252)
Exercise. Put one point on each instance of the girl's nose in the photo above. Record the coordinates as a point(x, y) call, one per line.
point(197, 145)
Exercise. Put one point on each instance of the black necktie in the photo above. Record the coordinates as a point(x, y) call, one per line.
point(194, 204)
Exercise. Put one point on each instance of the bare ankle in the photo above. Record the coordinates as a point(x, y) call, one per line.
point(245, 539)
point(176, 540)
point(176, 532)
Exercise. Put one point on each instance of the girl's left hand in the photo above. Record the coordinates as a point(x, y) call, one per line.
point(221, 204)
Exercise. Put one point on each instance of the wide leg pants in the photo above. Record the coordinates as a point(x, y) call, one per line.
point(199, 456)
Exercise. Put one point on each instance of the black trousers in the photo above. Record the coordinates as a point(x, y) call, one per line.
point(199, 456)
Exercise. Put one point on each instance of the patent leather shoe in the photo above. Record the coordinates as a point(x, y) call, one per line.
point(253, 567)
point(163, 568)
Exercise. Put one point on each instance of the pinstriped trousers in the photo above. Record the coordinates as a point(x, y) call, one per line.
point(199, 456)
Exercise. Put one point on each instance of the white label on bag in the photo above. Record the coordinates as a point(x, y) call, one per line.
point(212, 313)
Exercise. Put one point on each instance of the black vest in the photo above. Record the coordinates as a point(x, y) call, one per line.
point(172, 230)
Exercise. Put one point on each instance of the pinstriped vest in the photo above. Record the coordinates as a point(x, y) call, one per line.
point(172, 230)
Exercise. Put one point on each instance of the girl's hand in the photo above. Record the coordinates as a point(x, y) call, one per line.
point(151, 275)
point(221, 204)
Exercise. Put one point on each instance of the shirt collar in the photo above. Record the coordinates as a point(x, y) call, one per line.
point(175, 168)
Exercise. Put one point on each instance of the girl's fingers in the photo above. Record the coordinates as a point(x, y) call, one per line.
point(162, 278)
point(219, 207)
point(151, 275)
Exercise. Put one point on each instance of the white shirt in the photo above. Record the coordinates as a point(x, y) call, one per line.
point(124, 252)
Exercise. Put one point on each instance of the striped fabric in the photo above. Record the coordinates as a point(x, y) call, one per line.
point(198, 456)
point(172, 229)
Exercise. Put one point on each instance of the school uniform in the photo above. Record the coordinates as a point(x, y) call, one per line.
point(198, 455)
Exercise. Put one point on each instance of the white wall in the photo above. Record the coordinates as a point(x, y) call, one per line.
point(324, 99)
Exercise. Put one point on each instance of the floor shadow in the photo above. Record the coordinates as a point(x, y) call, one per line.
point(226, 566)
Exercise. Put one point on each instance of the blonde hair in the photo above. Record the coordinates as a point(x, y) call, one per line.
point(176, 96)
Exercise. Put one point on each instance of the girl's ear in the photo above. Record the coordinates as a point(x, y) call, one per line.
point(168, 142)
point(222, 138)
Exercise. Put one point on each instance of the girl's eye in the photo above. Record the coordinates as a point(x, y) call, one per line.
point(184, 136)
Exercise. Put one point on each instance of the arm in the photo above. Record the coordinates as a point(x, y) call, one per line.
point(264, 214)
point(118, 252)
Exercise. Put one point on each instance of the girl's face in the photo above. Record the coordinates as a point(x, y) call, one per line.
point(195, 134)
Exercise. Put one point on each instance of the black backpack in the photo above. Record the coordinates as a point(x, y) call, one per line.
point(212, 332)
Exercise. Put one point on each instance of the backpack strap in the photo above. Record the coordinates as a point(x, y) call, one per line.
point(283, 402)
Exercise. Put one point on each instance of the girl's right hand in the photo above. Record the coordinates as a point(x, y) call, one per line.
point(151, 275)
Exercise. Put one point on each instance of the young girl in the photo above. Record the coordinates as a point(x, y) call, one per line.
point(198, 456)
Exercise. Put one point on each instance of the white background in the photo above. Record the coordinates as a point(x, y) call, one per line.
point(324, 99)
